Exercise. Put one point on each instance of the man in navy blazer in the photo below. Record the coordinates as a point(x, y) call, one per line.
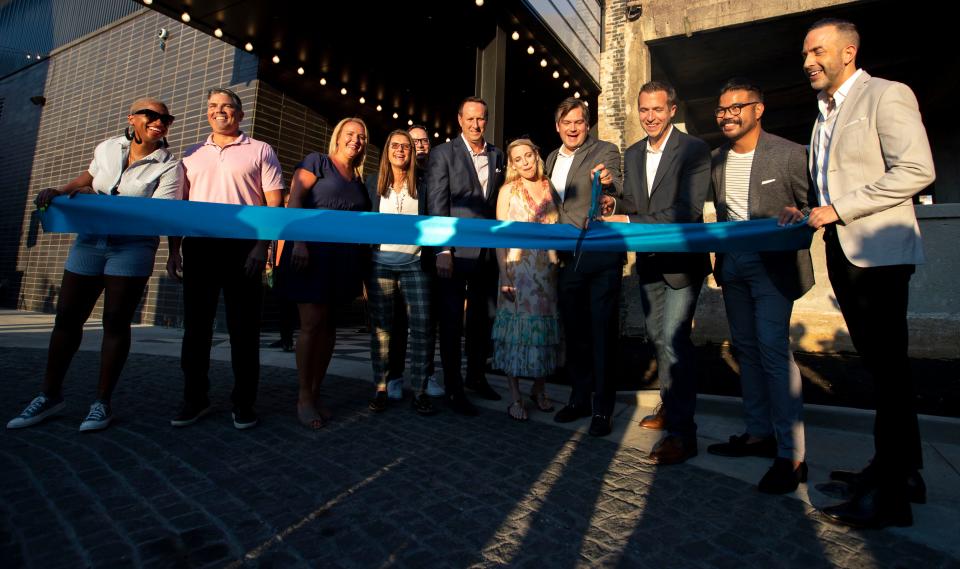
point(666, 180)
point(463, 179)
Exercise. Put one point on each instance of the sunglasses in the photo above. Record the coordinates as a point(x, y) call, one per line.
point(154, 115)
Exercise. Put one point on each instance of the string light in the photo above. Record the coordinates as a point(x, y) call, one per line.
point(248, 46)
point(323, 80)
point(530, 50)
point(300, 71)
point(410, 121)
point(543, 63)
point(218, 32)
point(148, 2)
point(566, 84)
point(576, 94)
point(363, 100)
point(479, 2)
point(379, 108)
point(276, 59)
point(343, 90)
point(436, 135)
point(556, 74)
point(396, 116)
point(185, 17)
point(515, 36)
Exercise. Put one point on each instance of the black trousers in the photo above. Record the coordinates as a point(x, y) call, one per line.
point(473, 280)
point(589, 307)
point(211, 266)
point(873, 301)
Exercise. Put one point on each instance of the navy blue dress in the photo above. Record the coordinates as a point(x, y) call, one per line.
point(335, 271)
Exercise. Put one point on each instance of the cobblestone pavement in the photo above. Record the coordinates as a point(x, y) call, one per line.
point(372, 490)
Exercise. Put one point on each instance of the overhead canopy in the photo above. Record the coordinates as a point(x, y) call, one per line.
point(418, 60)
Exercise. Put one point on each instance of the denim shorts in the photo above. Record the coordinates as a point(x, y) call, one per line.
point(112, 255)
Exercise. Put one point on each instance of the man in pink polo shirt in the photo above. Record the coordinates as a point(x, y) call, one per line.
point(228, 168)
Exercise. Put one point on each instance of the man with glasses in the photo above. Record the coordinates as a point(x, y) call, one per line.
point(869, 157)
point(589, 283)
point(666, 180)
point(755, 175)
point(229, 167)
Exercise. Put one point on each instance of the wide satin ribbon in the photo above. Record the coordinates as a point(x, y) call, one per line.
point(111, 215)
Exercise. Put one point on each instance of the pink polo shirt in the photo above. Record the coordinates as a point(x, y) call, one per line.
point(239, 173)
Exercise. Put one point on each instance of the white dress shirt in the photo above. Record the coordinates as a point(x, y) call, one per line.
point(826, 121)
point(653, 159)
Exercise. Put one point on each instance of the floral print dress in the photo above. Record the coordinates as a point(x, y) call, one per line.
point(526, 331)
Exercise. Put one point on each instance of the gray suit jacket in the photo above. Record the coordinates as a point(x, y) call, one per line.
point(575, 205)
point(778, 178)
point(679, 190)
point(879, 159)
point(453, 189)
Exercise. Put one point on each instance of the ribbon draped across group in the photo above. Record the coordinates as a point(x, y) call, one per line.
point(112, 215)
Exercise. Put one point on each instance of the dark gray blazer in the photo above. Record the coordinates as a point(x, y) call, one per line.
point(575, 205)
point(453, 189)
point(679, 191)
point(778, 178)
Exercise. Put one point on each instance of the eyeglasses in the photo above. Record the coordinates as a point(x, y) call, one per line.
point(419, 141)
point(399, 145)
point(734, 109)
point(153, 115)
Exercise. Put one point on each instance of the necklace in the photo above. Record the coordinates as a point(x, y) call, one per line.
point(399, 199)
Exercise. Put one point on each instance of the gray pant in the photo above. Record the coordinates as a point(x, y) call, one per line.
point(759, 318)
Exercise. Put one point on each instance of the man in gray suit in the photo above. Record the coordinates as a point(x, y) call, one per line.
point(755, 175)
point(666, 179)
point(589, 282)
point(869, 157)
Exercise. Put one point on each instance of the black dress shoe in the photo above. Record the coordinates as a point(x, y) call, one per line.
point(861, 481)
point(461, 405)
point(738, 447)
point(782, 478)
point(874, 509)
point(601, 426)
point(570, 413)
point(482, 389)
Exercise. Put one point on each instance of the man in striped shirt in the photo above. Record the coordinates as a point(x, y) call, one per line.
point(755, 175)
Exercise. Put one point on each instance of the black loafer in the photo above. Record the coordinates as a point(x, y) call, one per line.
point(738, 447)
point(857, 481)
point(600, 426)
point(782, 478)
point(570, 413)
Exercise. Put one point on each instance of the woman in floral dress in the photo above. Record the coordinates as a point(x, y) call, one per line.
point(526, 331)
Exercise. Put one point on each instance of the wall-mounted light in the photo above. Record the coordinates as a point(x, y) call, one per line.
point(38, 100)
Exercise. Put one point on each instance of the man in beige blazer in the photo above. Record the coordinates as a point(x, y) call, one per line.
point(869, 156)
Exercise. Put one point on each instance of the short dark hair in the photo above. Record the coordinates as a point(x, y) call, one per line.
point(654, 86)
point(568, 105)
point(845, 27)
point(420, 126)
point(742, 84)
point(224, 91)
point(472, 99)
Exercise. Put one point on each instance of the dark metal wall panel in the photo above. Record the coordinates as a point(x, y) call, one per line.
point(32, 27)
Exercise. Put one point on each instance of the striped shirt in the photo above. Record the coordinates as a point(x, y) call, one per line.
point(737, 185)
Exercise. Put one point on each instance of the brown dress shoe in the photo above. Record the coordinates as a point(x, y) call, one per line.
point(673, 449)
point(656, 421)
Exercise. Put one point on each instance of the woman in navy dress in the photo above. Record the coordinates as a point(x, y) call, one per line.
point(322, 275)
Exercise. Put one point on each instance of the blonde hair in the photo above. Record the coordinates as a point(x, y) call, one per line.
point(386, 181)
point(332, 148)
point(512, 173)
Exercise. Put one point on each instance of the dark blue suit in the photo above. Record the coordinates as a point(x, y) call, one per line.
point(453, 190)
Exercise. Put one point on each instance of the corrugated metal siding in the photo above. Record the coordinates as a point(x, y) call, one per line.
point(40, 26)
point(577, 24)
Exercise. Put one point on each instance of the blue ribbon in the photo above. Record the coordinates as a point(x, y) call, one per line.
point(112, 215)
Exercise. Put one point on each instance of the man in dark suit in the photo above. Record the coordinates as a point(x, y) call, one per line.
point(755, 175)
point(589, 283)
point(463, 179)
point(869, 156)
point(666, 180)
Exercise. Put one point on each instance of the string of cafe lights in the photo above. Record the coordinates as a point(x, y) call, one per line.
point(248, 46)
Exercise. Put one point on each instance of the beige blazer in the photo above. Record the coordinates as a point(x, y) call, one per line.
point(879, 159)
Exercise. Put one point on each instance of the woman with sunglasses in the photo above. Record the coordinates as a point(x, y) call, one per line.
point(136, 164)
point(319, 277)
point(398, 277)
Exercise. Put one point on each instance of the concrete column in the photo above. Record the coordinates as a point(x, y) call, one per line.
point(491, 79)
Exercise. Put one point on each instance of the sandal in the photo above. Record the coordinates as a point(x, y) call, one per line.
point(309, 417)
point(541, 401)
point(520, 415)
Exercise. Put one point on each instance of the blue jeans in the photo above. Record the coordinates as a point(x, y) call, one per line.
point(669, 318)
point(759, 319)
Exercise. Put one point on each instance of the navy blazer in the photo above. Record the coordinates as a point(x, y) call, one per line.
point(778, 178)
point(677, 195)
point(453, 189)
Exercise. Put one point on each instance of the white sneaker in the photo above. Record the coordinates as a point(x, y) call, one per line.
point(98, 418)
point(435, 387)
point(395, 389)
point(39, 409)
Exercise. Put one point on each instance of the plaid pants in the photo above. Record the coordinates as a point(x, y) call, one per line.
point(390, 284)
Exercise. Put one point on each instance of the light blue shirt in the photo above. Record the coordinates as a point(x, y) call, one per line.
point(153, 176)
